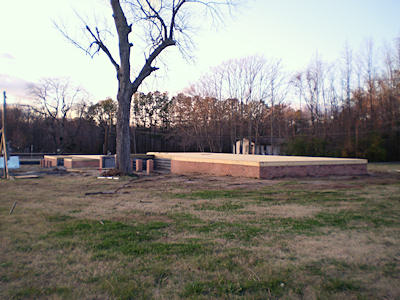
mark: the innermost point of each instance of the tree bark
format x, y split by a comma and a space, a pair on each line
123, 163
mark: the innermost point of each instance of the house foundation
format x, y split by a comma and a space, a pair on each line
261, 166
219, 164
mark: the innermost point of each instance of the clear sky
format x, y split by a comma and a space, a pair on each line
292, 30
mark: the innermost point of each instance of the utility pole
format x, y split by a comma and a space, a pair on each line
3, 143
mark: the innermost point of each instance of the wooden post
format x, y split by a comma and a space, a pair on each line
3, 142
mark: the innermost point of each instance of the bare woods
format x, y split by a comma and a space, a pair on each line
350, 108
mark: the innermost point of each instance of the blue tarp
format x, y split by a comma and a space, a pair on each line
12, 163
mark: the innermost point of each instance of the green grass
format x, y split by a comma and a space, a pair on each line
108, 237
274, 195
340, 285
58, 218
226, 230
214, 194
225, 206
33, 292
226, 288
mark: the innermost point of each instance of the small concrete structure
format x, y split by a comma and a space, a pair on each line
262, 147
261, 166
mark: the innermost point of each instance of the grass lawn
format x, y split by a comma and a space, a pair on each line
73, 236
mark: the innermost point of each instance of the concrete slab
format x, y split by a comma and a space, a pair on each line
256, 160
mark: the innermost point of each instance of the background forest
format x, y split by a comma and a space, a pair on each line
349, 108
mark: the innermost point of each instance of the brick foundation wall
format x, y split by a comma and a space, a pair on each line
218, 169
312, 170
85, 163
68, 163
71, 163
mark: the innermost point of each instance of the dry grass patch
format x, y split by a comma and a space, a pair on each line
200, 237
290, 210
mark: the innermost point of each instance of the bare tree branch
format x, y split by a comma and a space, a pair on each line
101, 46
147, 68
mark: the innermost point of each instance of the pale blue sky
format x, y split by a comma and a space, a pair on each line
292, 30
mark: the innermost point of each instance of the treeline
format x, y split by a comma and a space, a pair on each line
349, 108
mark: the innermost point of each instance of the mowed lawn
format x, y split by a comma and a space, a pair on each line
73, 236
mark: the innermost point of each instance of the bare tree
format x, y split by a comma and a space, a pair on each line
314, 91
347, 73
346, 70
369, 71
164, 23
250, 80
278, 86
55, 100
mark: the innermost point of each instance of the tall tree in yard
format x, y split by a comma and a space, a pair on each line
164, 23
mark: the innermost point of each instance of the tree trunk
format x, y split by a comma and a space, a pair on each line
123, 162
105, 144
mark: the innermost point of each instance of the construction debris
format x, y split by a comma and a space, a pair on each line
12, 207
